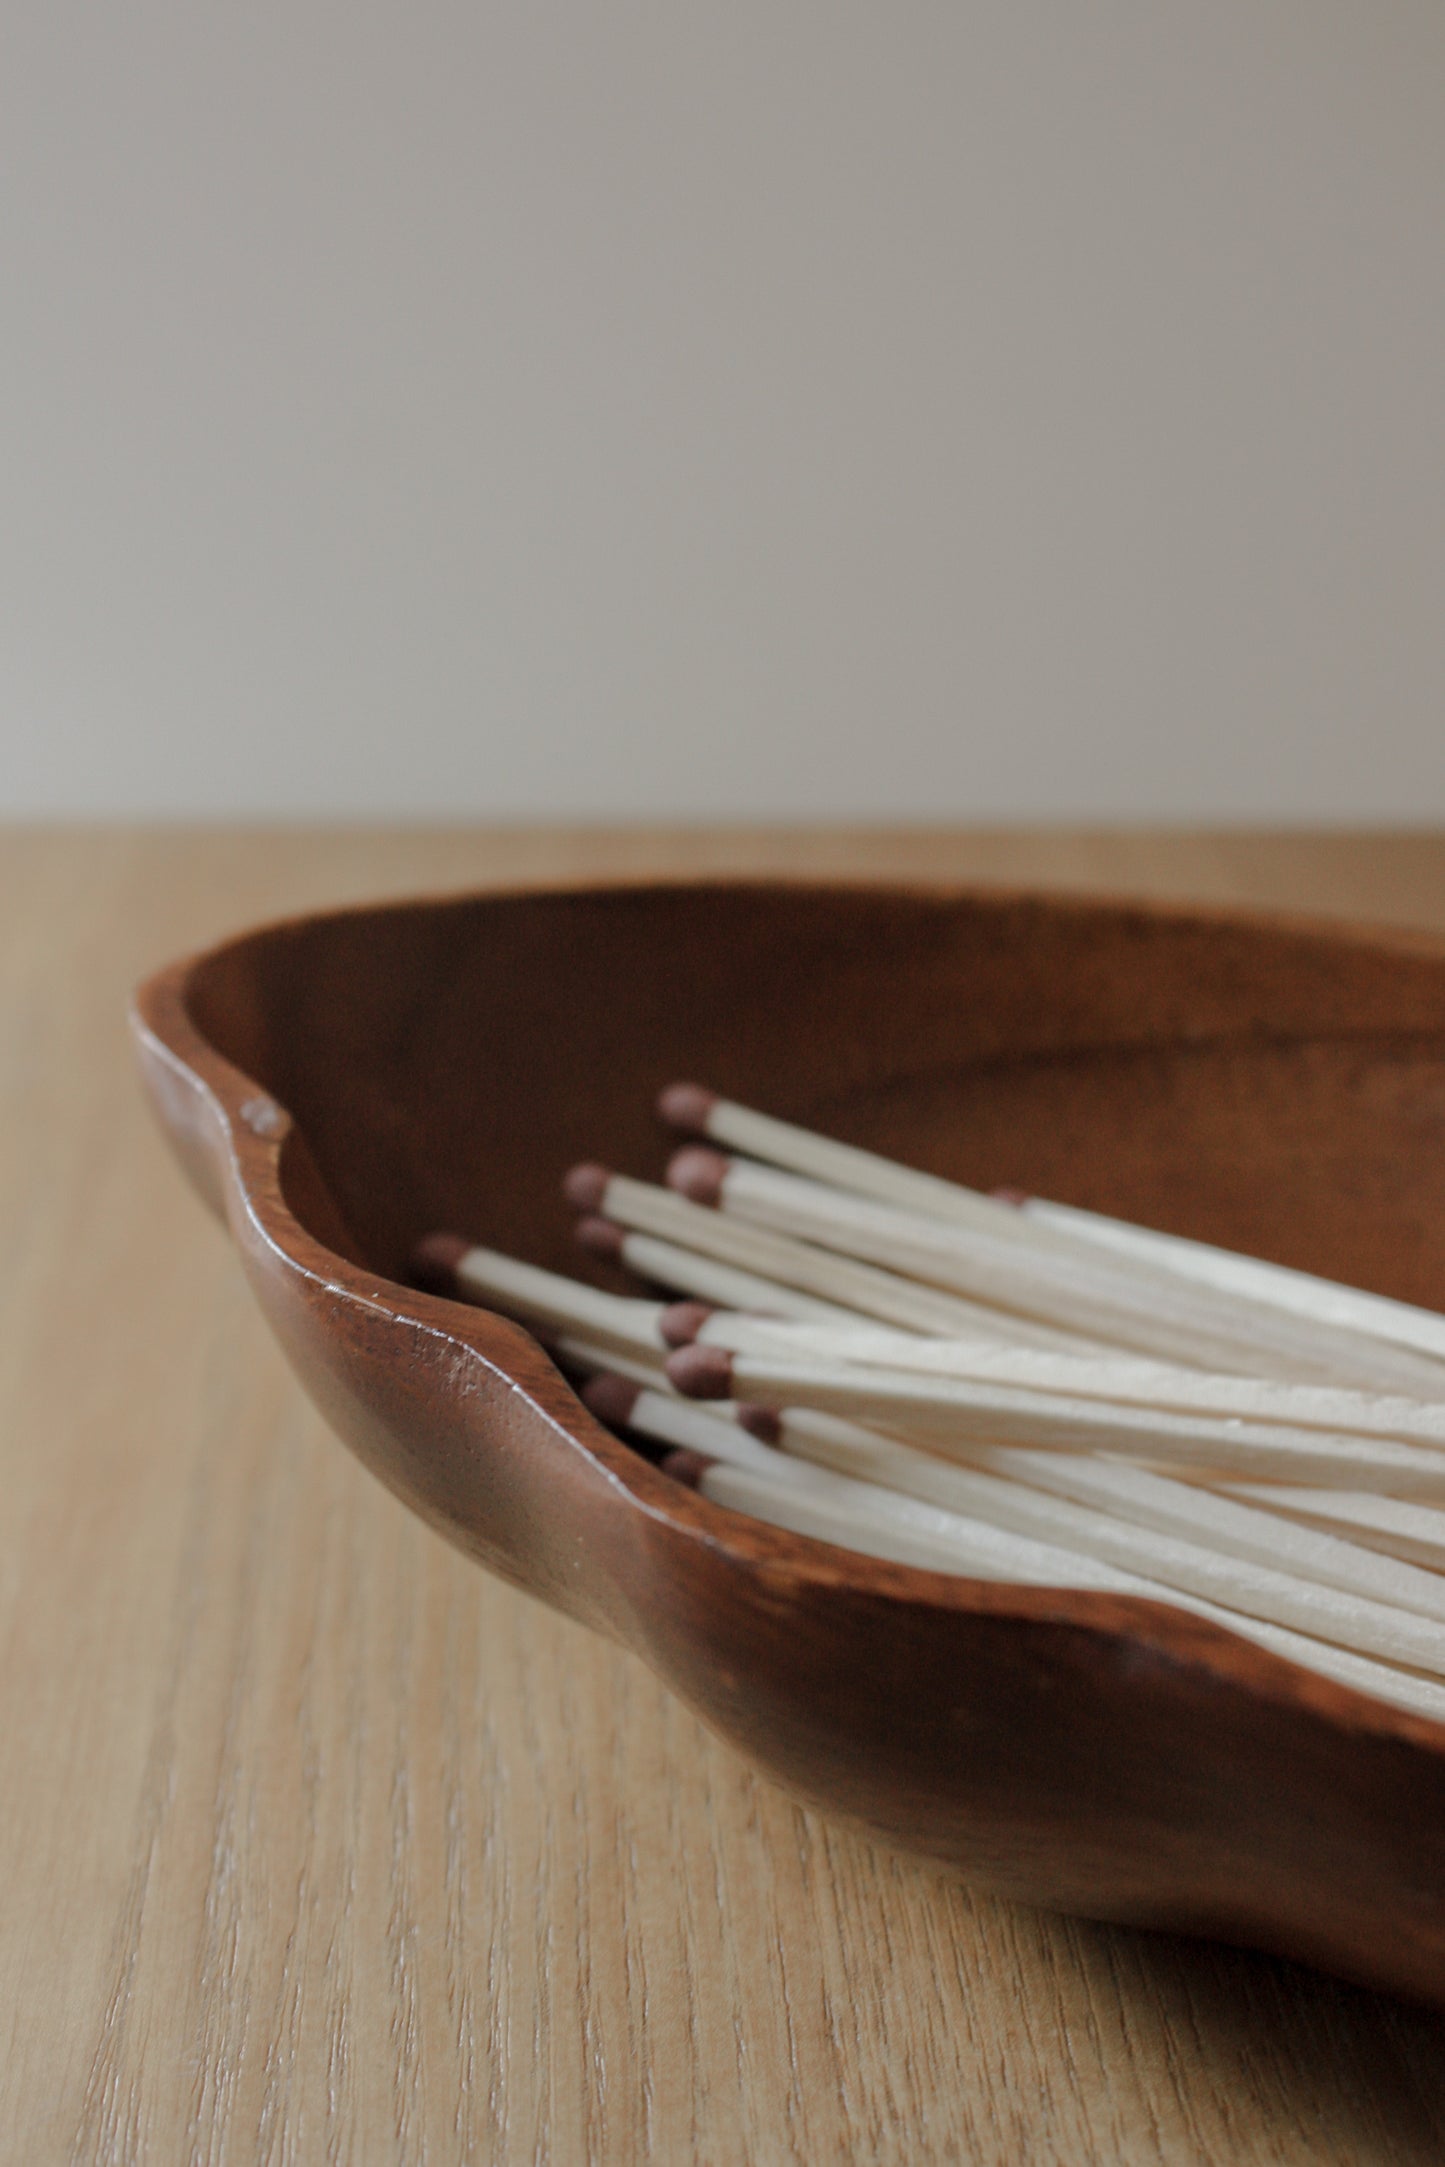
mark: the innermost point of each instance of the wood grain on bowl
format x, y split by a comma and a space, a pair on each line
340, 1086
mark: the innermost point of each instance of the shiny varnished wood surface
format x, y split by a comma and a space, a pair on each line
318, 1843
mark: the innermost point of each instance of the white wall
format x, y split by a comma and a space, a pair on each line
775, 408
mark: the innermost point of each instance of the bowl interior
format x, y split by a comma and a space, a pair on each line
1277, 1089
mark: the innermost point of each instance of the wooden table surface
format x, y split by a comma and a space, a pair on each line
319, 1845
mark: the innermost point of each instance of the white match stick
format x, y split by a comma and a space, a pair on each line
643, 1208
862, 1506
591, 1357
671, 1421
1113, 1377
537, 1297
914, 1530
910, 1529
883, 1524
1396, 1526
1361, 1622
696, 1110
700, 1112
951, 1415
1303, 1294
1083, 1293
1224, 1524
705, 1278
992, 1555
1219, 1522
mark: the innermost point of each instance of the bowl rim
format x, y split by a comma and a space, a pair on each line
258, 1131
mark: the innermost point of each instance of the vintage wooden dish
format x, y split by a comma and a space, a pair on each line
339, 1085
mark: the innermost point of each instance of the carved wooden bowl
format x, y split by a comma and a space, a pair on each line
340, 1085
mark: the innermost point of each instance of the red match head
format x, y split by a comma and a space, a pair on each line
610, 1398
687, 1106
681, 1322
701, 1373
586, 1186
698, 1172
435, 1259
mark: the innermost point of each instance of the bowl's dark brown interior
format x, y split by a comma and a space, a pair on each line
1270, 1088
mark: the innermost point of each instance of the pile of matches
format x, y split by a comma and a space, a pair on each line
1010, 1389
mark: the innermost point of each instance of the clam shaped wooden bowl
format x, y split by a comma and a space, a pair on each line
339, 1086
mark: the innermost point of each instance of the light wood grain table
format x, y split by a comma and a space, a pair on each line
319, 1845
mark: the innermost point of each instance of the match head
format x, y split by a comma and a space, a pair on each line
599, 1236
586, 1186
681, 1322
701, 1373
434, 1262
685, 1466
698, 1172
764, 1423
687, 1106
610, 1398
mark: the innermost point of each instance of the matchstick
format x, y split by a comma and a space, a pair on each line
688, 1272
1258, 1590
951, 1414
695, 1110
1398, 1527
1113, 1377
860, 1507
590, 1358
908, 1531
447, 1264
1221, 1522
667, 1420
993, 1555
1083, 1294
1303, 1294
645, 1209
